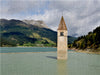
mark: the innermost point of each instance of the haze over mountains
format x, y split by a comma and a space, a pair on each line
38, 23
27, 33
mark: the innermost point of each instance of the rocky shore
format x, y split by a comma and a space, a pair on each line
89, 51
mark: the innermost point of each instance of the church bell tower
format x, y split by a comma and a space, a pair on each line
62, 40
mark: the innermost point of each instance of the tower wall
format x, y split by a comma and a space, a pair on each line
62, 44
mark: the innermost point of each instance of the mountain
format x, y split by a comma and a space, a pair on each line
27, 33
89, 41
71, 39
38, 23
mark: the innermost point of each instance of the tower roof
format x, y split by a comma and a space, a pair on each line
62, 25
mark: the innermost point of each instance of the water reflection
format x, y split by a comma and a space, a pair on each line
62, 67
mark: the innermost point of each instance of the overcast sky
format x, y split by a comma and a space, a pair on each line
81, 16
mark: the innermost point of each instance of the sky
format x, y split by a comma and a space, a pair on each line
81, 16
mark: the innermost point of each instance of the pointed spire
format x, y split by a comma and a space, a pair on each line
62, 25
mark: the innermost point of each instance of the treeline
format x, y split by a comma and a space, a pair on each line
6, 42
90, 41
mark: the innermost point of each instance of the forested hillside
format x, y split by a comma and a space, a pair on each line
20, 33
90, 41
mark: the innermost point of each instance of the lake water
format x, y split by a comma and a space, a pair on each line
42, 61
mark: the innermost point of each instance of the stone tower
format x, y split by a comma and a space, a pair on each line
62, 40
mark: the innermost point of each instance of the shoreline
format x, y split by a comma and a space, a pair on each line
27, 47
85, 51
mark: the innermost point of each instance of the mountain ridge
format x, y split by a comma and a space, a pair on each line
38, 23
18, 33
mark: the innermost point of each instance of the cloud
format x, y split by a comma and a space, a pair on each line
81, 16
15, 8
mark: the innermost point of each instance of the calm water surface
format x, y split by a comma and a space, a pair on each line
14, 62
26, 49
